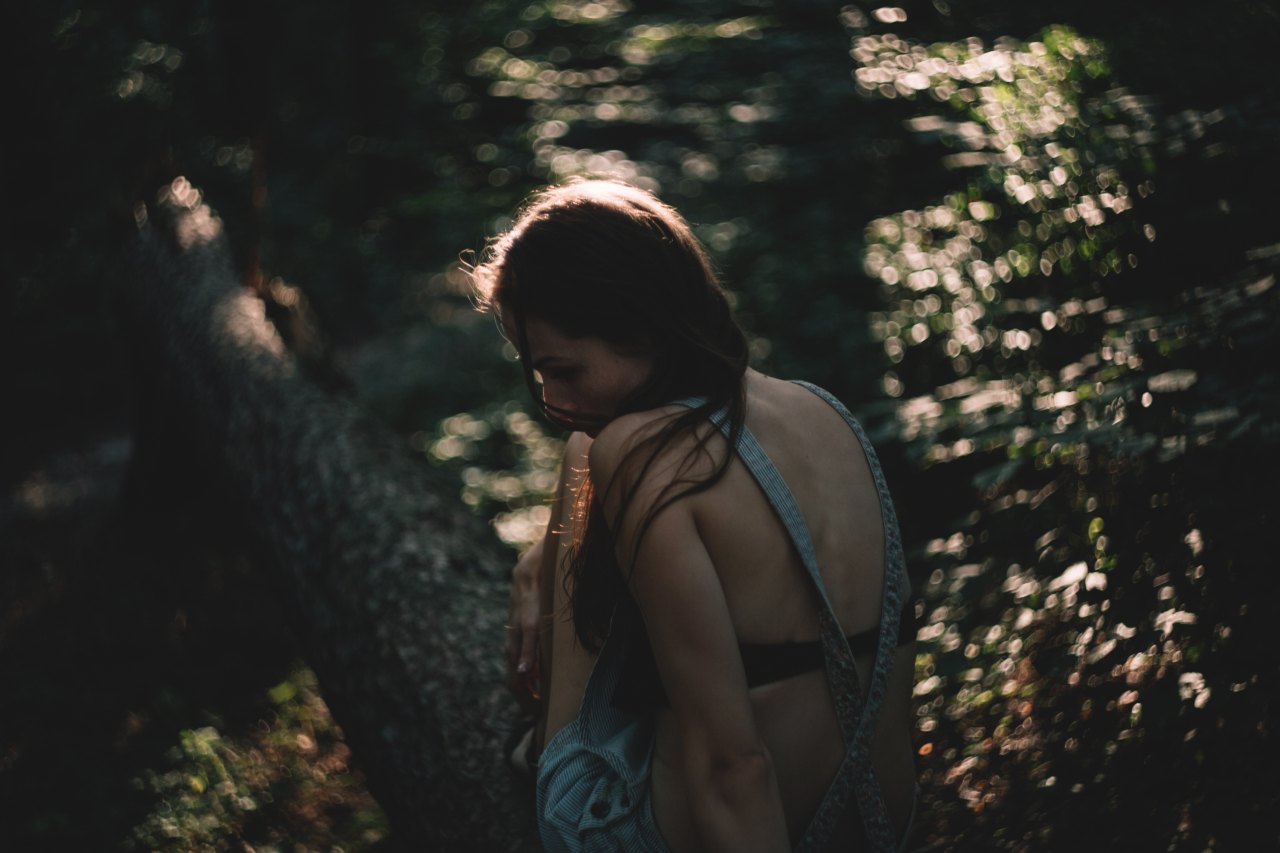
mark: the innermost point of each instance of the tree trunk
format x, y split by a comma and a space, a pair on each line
399, 593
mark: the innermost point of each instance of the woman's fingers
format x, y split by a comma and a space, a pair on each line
528, 646
518, 672
520, 645
530, 615
511, 647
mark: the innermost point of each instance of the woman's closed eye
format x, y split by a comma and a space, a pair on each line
558, 374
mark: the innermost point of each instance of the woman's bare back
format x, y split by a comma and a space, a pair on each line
771, 601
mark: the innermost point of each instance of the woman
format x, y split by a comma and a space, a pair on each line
718, 536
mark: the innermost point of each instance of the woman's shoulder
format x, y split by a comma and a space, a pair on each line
625, 433
797, 403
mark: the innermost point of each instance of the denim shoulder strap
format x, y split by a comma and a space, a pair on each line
856, 769
856, 717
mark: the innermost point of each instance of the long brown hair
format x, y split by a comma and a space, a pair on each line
606, 260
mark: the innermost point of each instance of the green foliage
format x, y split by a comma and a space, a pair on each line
284, 783
508, 466
1076, 629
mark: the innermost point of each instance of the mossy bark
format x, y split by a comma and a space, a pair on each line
398, 593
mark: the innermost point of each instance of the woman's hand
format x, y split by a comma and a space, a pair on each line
531, 584
524, 616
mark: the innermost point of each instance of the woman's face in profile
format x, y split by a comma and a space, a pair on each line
585, 378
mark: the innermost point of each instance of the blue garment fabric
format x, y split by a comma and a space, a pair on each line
593, 791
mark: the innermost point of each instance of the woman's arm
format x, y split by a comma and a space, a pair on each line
530, 601
729, 775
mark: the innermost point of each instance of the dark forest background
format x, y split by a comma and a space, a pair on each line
1033, 245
